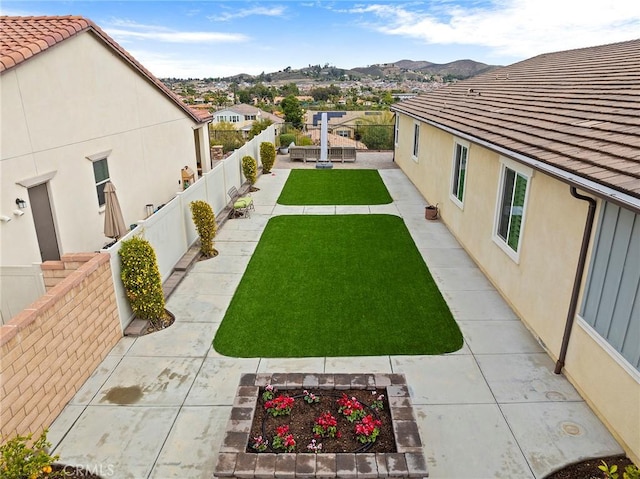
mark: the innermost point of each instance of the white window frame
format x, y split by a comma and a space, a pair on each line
396, 130
454, 186
104, 155
416, 141
527, 173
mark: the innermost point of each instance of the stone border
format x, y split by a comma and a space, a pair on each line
408, 461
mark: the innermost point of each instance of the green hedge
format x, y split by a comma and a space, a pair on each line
267, 155
141, 279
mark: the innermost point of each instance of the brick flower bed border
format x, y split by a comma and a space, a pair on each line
408, 461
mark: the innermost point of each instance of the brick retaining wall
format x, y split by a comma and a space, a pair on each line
50, 349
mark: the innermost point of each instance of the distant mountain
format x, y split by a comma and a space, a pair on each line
397, 71
459, 68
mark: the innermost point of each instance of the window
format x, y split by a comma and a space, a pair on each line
396, 131
512, 198
458, 175
416, 140
343, 133
101, 174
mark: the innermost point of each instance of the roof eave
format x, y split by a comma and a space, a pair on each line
602, 191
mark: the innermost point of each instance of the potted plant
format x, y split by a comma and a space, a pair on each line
285, 141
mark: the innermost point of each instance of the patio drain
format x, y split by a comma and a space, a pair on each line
571, 428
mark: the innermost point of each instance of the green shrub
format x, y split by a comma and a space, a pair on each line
205, 221
286, 139
19, 460
304, 141
225, 134
250, 168
141, 279
258, 126
267, 155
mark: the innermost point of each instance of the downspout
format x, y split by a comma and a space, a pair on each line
573, 305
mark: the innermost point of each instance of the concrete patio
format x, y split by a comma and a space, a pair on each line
158, 405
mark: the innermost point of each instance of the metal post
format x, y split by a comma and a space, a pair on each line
324, 161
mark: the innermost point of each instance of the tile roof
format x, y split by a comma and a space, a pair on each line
577, 111
24, 37
246, 110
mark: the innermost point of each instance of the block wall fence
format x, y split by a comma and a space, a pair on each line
49, 350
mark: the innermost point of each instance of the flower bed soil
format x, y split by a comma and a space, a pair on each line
589, 469
303, 416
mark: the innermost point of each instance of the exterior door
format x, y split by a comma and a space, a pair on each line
43, 219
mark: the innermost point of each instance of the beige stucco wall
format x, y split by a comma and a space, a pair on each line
538, 286
76, 100
606, 385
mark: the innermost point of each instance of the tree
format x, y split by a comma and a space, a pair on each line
244, 96
292, 111
325, 93
224, 133
376, 131
289, 89
258, 126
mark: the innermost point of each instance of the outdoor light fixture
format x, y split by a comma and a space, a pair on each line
22, 204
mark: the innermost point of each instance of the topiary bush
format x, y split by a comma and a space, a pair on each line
267, 155
250, 168
205, 221
141, 279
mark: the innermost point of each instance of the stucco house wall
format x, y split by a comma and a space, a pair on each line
538, 286
69, 96
73, 101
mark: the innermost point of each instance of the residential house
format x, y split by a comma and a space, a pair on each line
78, 111
340, 123
301, 98
242, 117
536, 171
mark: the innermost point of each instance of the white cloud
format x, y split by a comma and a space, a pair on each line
169, 64
124, 30
520, 28
223, 16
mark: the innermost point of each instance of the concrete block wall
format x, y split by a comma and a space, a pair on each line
49, 350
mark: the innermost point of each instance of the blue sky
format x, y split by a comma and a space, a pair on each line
211, 38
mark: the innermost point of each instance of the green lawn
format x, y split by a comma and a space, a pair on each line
334, 187
340, 285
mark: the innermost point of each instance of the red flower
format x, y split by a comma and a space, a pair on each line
282, 430
289, 441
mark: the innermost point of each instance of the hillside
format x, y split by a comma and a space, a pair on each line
400, 70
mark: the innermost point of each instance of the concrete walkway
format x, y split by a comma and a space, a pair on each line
158, 405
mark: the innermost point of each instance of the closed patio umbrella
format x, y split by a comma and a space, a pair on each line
113, 221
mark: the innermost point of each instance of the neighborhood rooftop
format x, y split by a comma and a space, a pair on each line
25, 37
575, 112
